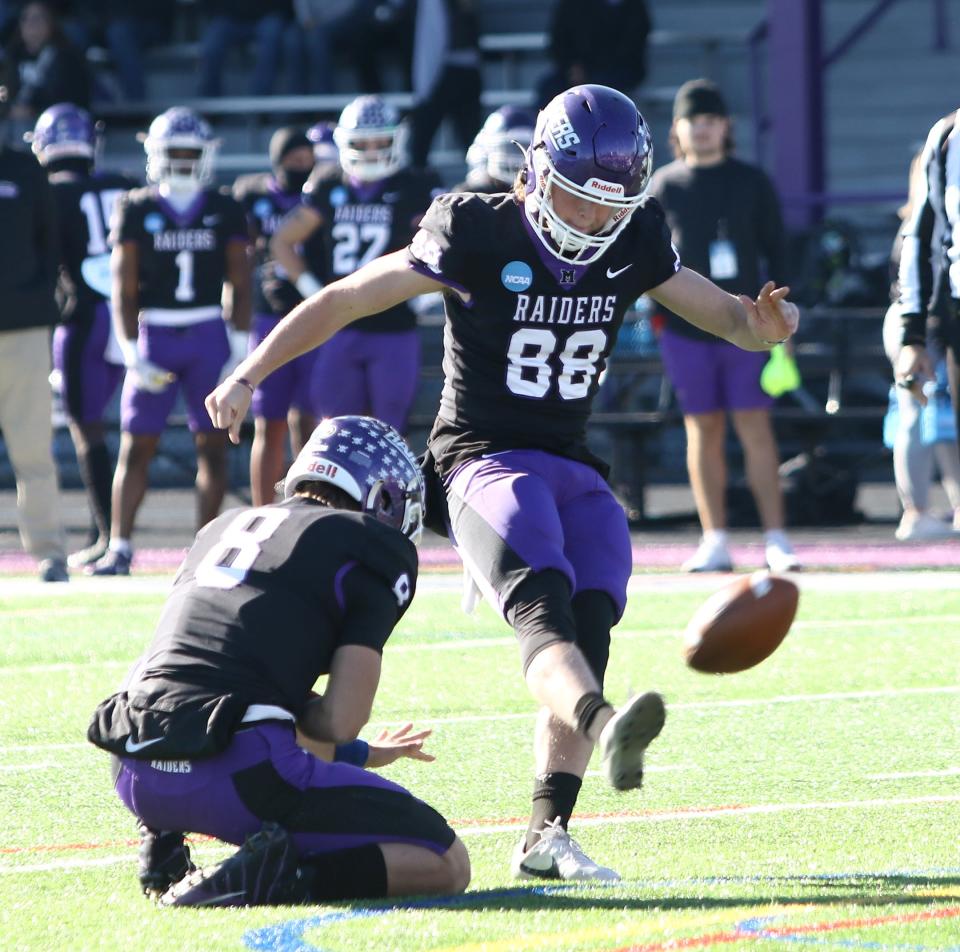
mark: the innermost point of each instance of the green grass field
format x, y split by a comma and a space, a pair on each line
813, 801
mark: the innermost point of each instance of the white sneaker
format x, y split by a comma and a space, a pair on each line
709, 557
627, 735
557, 855
922, 527
781, 557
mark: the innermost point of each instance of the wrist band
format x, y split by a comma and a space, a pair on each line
245, 382
354, 753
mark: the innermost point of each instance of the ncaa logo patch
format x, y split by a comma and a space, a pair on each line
263, 208
153, 222
516, 276
338, 196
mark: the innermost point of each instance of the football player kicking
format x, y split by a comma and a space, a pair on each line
176, 244
283, 401
86, 359
535, 286
267, 600
370, 207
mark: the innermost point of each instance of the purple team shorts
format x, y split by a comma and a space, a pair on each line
708, 376
371, 374
524, 511
88, 381
286, 387
264, 775
196, 354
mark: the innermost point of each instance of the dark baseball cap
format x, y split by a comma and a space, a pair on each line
698, 97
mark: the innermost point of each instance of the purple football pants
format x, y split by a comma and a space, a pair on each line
523, 511
195, 354
288, 386
88, 381
265, 776
372, 374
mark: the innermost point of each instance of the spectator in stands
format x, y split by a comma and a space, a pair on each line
725, 219
283, 401
446, 74
128, 30
180, 272
596, 41
28, 275
370, 207
266, 22
913, 457
41, 67
498, 152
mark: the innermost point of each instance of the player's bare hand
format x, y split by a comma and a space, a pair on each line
771, 316
913, 369
228, 405
389, 746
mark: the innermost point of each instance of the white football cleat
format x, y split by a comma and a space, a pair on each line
709, 557
627, 735
557, 855
780, 556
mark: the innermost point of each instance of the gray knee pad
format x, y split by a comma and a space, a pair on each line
540, 613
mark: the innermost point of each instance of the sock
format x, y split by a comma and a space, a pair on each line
587, 709
358, 873
122, 546
715, 537
554, 796
97, 472
776, 537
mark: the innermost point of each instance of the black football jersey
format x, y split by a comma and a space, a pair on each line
182, 254
85, 206
523, 358
266, 205
364, 221
262, 601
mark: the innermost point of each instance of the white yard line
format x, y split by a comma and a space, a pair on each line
660, 816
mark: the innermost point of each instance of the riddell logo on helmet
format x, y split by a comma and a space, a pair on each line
599, 185
323, 468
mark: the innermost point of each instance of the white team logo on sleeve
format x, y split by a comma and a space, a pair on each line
426, 248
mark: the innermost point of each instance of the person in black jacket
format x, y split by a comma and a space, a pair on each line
28, 274
596, 41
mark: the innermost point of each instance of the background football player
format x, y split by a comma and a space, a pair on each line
284, 400
86, 360
180, 271
266, 601
536, 285
497, 153
369, 208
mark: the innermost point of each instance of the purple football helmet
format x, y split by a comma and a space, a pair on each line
592, 143
371, 138
180, 128
64, 131
371, 462
499, 149
325, 152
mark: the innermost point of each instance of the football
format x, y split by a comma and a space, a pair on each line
740, 625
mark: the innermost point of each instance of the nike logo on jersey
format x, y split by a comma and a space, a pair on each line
131, 748
210, 220
613, 274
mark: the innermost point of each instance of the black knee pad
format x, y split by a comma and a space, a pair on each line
539, 612
595, 614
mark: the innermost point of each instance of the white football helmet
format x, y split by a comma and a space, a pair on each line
179, 129
371, 139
